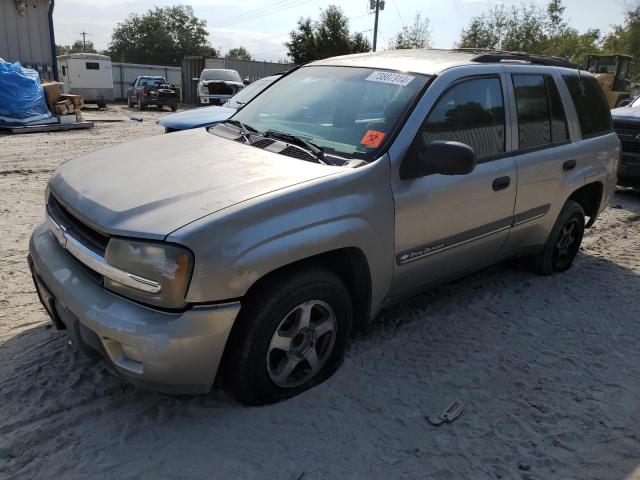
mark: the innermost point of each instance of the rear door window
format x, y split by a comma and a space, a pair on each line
559, 128
470, 112
592, 107
534, 125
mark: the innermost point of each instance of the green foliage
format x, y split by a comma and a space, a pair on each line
162, 35
625, 39
328, 37
531, 29
417, 35
239, 53
77, 47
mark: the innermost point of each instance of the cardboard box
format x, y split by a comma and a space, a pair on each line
63, 107
76, 100
52, 93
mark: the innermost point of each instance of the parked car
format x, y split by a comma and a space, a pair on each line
87, 74
209, 116
249, 250
626, 122
147, 90
217, 85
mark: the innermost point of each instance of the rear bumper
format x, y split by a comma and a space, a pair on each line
162, 351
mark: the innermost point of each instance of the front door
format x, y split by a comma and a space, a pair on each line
448, 224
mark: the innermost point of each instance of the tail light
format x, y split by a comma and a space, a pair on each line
145, 92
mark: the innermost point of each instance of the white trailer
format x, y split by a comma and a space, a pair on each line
87, 74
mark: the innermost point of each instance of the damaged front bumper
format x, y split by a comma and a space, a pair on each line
168, 352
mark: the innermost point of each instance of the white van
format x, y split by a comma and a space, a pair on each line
87, 74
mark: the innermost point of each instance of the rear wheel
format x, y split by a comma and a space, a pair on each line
290, 335
563, 243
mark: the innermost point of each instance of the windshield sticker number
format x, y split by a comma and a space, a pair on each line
390, 77
372, 138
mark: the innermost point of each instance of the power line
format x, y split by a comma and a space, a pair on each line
262, 12
398, 12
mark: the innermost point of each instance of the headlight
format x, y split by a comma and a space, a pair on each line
168, 265
202, 89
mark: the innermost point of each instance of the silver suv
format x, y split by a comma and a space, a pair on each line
247, 252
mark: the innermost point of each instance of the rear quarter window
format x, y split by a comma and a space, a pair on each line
592, 107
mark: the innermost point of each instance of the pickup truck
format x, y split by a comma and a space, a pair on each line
146, 90
247, 252
626, 123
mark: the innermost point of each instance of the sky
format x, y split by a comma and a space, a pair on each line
263, 26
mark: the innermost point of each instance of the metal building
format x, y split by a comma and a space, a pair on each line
26, 35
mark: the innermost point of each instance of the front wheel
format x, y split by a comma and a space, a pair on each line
563, 243
290, 335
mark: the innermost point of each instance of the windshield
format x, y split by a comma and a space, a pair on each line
246, 94
635, 102
226, 75
347, 111
151, 81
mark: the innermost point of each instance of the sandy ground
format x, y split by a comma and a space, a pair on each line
548, 366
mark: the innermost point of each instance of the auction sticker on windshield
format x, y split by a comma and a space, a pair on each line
390, 77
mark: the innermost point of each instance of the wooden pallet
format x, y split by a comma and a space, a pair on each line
48, 127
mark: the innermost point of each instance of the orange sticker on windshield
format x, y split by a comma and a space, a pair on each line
372, 138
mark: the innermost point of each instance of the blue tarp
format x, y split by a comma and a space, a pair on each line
22, 99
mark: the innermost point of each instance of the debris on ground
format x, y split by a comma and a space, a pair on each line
449, 414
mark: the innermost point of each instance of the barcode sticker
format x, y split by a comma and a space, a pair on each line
390, 77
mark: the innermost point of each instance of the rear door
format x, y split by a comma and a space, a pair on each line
448, 224
546, 153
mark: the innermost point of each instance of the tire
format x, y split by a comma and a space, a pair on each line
129, 102
141, 106
255, 366
563, 243
174, 108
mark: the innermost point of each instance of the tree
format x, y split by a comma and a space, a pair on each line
417, 35
625, 39
239, 53
530, 29
162, 35
328, 37
77, 47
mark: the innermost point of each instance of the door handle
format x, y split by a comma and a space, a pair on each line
501, 183
569, 165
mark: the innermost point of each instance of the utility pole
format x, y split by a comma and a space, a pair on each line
84, 40
377, 5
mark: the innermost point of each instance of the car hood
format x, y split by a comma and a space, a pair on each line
151, 187
196, 117
626, 113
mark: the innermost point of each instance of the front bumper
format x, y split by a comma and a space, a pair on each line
155, 100
629, 170
167, 352
214, 99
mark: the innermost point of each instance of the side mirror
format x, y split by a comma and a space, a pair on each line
443, 157
131, 84
246, 81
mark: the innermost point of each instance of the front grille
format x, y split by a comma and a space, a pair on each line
629, 134
86, 235
631, 147
220, 89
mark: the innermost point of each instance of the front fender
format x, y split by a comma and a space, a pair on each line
236, 247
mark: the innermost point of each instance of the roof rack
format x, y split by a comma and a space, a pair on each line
497, 56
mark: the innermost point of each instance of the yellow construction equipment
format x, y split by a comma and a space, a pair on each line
611, 71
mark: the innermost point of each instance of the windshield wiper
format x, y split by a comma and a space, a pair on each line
317, 151
245, 130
